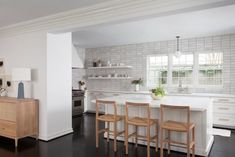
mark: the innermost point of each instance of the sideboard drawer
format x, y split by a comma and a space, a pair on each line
224, 109
226, 120
7, 128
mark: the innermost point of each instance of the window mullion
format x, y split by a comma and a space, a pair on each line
195, 70
169, 74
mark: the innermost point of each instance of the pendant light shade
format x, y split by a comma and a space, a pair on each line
177, 52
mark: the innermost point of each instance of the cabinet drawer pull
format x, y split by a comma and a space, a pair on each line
223, 108
223, 100
223, 119
115, 94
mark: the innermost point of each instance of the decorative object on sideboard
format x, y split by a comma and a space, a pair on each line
4, 90
158, 93
21, 74
137, 83
177, 52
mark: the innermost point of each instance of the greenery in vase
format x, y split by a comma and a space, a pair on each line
136, 82
159, 91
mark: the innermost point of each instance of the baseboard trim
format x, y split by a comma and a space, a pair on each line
56, 135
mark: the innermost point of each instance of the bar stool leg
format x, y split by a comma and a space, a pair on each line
188, 145
108, 123
161, 143
193, 151
148, 141
156, 139
115, 136
97, 133
169, 141
126, 137
136, 136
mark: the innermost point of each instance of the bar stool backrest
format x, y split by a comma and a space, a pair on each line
186, 109
143, 106
105, 103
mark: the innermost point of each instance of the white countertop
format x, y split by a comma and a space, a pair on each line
195, 103
169, 94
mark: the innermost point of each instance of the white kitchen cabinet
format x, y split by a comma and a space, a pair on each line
224, 112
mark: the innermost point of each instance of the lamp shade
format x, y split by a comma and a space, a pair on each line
21, 74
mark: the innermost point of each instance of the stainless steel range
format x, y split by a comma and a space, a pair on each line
78, 102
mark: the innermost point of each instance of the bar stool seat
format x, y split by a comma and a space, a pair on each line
177, 126
110, 118
142, 121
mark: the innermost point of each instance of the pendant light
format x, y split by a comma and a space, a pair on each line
177, 52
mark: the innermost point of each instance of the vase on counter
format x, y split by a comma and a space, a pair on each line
156, 97
137, 87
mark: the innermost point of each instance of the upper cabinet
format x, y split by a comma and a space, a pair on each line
78, 57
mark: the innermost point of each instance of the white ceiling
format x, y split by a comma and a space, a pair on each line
14, 11
199, 23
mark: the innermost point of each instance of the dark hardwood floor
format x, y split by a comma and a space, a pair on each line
82, 144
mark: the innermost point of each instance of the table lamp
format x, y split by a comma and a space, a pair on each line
21, 75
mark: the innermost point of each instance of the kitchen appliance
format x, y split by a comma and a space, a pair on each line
77, 102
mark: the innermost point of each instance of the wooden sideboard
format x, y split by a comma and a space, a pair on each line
18, 118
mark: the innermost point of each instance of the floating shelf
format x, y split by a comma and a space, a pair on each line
111, 67
109, 78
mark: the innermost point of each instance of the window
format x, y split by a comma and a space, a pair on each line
157, 70
182, 69
205, 69
210, 68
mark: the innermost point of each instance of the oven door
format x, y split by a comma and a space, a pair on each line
78, 106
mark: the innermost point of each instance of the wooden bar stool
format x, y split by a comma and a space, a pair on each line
184, 127
109, 118
140, 122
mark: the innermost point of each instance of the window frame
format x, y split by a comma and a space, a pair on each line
220, 86
148, 64
195, 81
193, 69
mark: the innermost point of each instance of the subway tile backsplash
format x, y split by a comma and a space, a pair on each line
136, 55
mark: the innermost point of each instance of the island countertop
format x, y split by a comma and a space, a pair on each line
195, 103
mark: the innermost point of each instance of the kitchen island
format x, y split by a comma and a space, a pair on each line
201, 115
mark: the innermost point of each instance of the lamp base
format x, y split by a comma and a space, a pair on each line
20, 91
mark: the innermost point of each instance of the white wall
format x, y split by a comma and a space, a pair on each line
59, 84
29, 50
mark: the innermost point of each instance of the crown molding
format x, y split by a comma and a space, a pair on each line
108, 12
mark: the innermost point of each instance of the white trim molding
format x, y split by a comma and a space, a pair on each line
109, 12
56, 135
